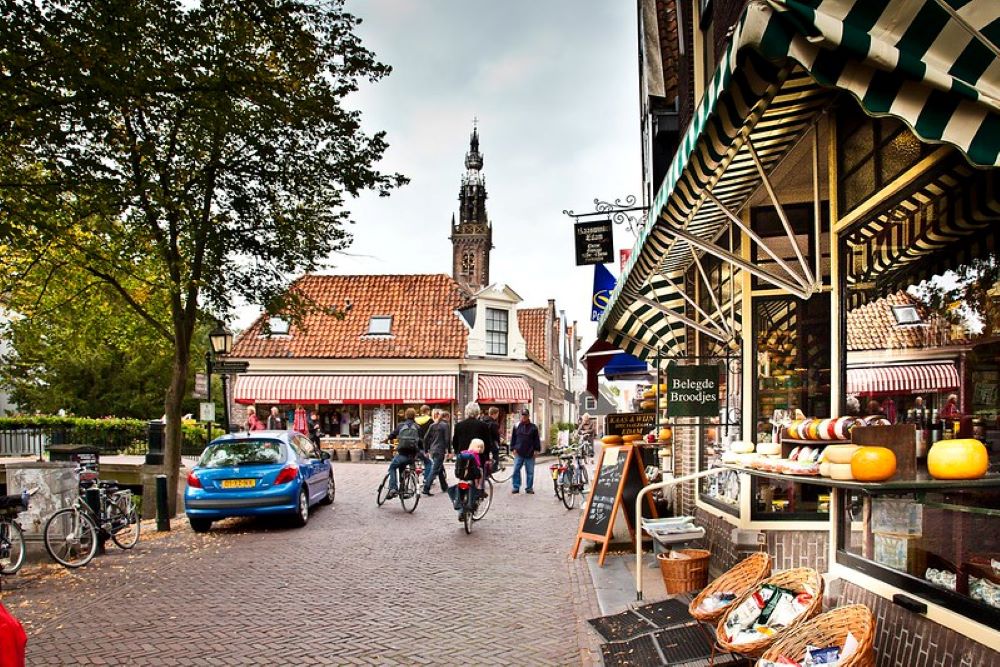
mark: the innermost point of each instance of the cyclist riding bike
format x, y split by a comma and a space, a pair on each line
585, 432
468, 468
407, 437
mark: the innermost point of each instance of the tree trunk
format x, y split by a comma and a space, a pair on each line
174, 433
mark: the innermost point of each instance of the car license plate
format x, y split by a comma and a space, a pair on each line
239, 483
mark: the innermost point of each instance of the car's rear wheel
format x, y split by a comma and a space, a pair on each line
301, 517
200, 525
331, 491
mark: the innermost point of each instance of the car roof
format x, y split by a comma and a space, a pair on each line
283, 436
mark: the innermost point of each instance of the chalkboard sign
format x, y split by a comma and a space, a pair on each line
617, 481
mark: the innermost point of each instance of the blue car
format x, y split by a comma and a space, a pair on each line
258, 473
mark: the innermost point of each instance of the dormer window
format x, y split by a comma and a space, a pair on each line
496, 332
380, 325
277, 326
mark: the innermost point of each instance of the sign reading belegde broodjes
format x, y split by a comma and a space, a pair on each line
594, 242
692, 391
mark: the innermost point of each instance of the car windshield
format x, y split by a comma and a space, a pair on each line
241, 453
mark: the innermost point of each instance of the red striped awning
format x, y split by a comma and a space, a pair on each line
369, 389
503, 389
903, 379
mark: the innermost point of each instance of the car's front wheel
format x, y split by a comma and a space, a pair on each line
200, 525
301, 517
331, 491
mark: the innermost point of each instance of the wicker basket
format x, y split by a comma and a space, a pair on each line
830, 629
801, 579
681, 575
739, 579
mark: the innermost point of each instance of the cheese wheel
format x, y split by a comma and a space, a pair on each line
649, 393
741, 447
839, 453
769, 448
612, 440
841, 471
647, 405
631, 437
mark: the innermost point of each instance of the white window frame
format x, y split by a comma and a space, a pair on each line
493, 336
374, 331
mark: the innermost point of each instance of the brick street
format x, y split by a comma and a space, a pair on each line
358, 585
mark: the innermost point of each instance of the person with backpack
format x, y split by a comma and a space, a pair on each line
437, 441
407, 437
468, 468
469, 429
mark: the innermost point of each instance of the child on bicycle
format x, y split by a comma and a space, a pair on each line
468, 468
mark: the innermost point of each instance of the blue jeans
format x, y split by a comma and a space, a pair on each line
436, 471
398, 461
529, 471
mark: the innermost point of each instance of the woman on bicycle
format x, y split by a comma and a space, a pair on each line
585, 432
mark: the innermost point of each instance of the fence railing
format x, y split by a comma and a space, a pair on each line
34, 441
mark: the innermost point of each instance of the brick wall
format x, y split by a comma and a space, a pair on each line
718, 540
799, 548
904, 638
685, 463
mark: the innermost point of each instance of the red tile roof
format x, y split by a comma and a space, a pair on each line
424, 322
873, 327
532, 324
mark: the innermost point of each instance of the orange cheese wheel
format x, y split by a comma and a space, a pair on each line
612, 440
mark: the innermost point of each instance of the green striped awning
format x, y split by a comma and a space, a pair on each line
933, 64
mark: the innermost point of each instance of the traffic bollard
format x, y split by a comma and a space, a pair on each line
162, 510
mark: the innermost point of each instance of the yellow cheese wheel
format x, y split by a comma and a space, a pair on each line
964, 458
841, 471
612, 440
647, 405
631, 437
839, 453
649, 393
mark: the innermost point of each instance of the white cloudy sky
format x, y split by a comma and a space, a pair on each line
554, 85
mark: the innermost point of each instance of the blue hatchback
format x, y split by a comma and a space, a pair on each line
255, 474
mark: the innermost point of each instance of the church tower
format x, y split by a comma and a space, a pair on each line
472, 236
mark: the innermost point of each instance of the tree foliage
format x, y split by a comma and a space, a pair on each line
182, 151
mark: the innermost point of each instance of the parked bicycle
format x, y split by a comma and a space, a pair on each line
474, 510
557, 470
12, 547
574, 478
409, 486
73, 535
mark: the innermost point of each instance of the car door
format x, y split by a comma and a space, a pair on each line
310, 463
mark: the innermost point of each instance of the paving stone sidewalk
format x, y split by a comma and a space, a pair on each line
358, 585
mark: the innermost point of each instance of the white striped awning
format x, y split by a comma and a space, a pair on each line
929, 63
368, 389
502, 389
903, 379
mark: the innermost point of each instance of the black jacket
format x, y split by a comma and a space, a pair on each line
466, 430
438, 439
525, 441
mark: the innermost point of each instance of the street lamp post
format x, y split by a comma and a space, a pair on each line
221, 341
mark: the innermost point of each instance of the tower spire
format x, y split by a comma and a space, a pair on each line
472, 236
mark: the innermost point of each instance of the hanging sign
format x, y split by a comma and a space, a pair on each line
692, 391
200, 386
604, 284
629, 423
618, 479
624, 254
594, 242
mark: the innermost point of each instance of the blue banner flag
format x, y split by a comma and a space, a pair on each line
604, 284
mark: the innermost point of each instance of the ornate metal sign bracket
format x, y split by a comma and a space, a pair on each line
618, 212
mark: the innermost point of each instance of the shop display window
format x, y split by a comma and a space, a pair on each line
721, 491
941, 545
792, 348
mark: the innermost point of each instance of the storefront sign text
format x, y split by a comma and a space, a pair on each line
594, 242
693, 391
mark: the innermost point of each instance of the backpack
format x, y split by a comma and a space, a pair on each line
466, 468
408, 439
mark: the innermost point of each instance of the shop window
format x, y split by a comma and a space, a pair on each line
870, 153
380, 325
496, 331
941, 545
792, 348
717, 434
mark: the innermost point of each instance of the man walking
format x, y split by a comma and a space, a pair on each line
424, 421
274, 421
524, 442
437, 441
493, 444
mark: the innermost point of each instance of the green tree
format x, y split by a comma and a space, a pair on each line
184, 151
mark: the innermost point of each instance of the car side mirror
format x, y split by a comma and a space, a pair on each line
326, 456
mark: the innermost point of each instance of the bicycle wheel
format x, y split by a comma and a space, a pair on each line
504, 469
484, 503
383, 490
467, 518
556, 483
124, 520
571, 487
409, 494
11, 547
71, 537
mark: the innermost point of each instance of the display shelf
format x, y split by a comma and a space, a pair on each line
922, 482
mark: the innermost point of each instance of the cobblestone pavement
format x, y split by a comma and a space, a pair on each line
358, 585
